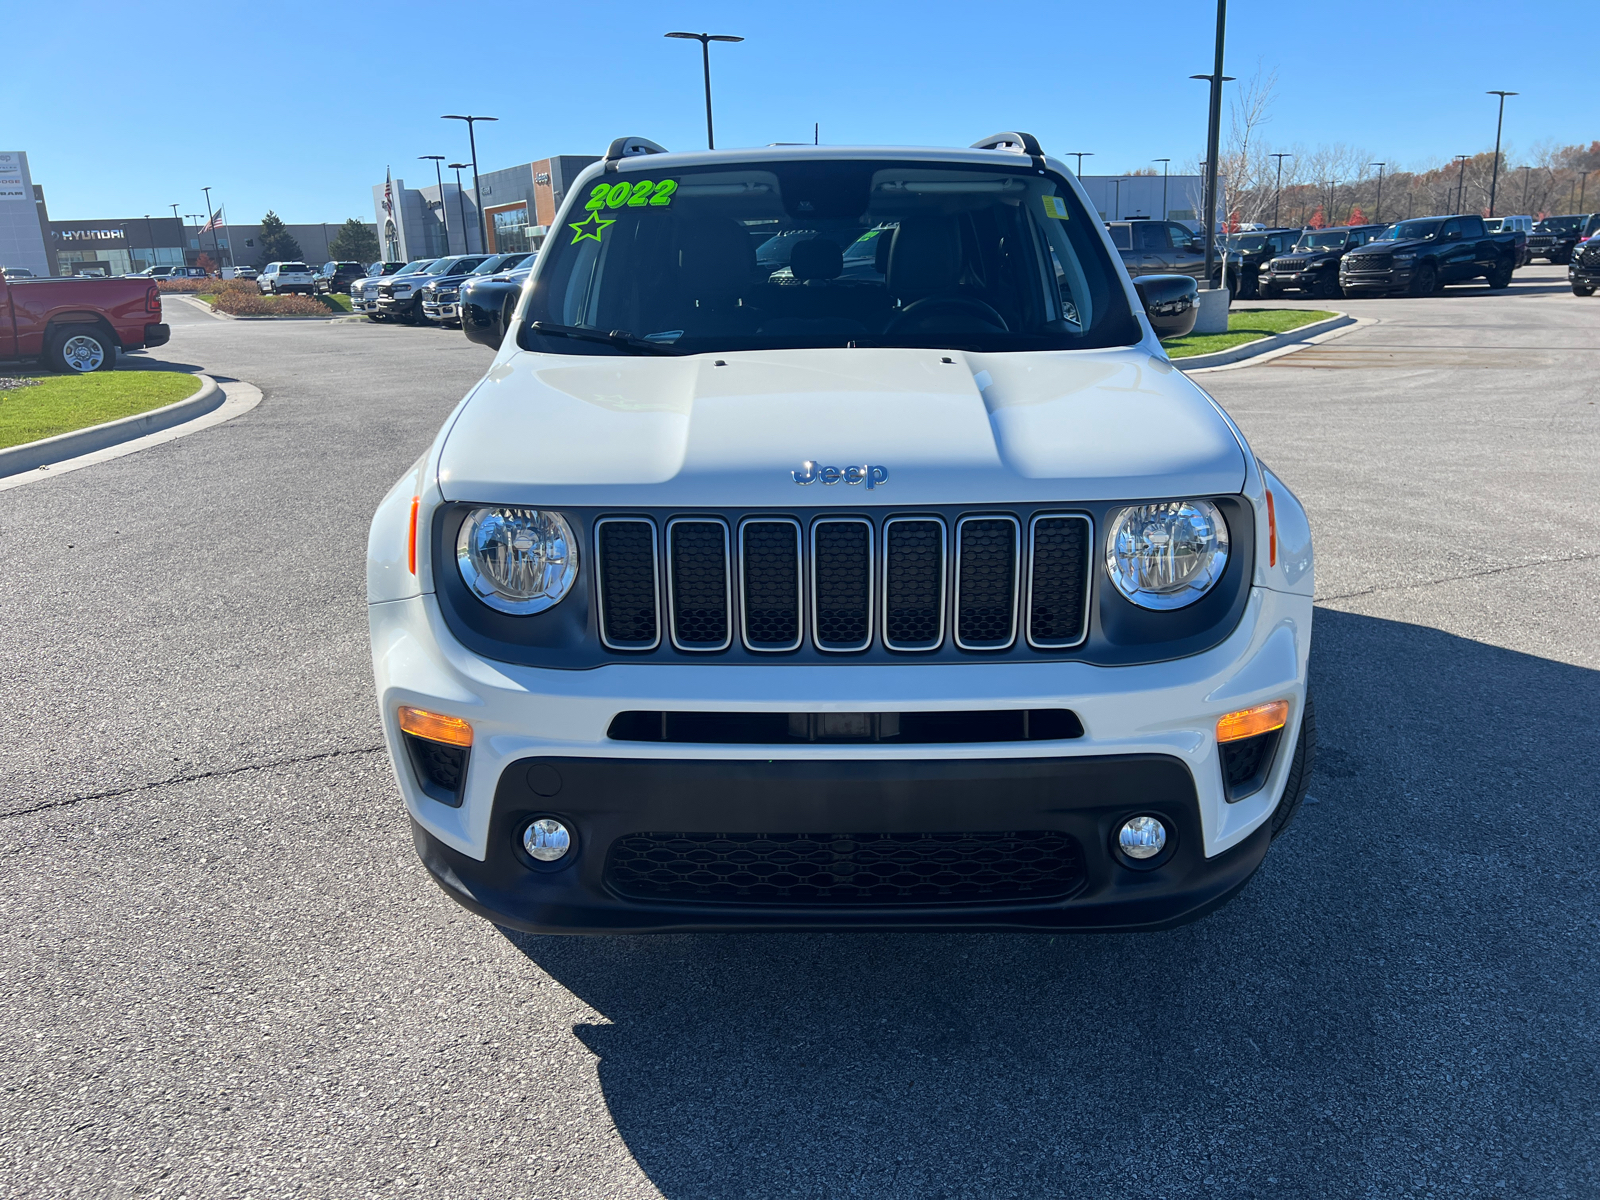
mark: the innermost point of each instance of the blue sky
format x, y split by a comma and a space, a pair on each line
126, 108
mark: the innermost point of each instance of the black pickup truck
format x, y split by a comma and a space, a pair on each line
1554, 238
1312, 267
1419, 257
1248, 255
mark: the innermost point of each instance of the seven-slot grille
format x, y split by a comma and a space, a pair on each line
832, 581
1367, 262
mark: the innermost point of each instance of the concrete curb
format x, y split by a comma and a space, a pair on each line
30, 456
1278, 341
241, 398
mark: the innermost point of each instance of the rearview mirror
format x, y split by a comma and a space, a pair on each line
1171, 302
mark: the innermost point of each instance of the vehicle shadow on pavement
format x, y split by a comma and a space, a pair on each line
1402, 999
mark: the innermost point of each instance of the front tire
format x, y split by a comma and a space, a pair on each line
81, 350
1271, 291
1327, 288
1298, 783
1425, 282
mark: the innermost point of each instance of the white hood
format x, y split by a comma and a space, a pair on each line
949, 428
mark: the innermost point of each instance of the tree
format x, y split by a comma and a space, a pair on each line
277, 243
355, 242
206, 264
1357, 217
1317, 219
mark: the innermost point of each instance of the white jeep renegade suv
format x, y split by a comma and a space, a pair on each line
832, 545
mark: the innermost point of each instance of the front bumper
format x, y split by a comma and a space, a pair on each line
1163, 712
606, 800
1391, 280
1301, 281
403, 304
441, 310
363, 304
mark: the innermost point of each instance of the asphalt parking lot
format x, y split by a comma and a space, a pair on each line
223, 973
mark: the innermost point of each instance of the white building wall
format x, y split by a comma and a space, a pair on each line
21, 239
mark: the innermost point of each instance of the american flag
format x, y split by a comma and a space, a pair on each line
214, 223
388, 191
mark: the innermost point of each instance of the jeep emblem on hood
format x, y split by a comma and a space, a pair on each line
810, 472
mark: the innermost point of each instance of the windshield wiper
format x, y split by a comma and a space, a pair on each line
616, 337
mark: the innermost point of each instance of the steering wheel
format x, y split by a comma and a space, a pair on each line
920, 309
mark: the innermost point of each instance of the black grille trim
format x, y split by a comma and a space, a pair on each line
828, 590
1045, 591
967, 608
895, 616
837, 869
766, 605
706, 613
603, 587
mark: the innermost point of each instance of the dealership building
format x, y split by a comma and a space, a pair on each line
1136, 197
518, 206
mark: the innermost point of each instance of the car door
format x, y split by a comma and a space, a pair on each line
1122, 239
1186, 254
1485, 250
1150, 249
1455, 253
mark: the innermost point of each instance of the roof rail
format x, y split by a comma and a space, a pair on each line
1022, 143
628, 147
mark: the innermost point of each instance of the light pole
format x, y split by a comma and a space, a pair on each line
1116, 207
444, 210
1080, 155
1213, 138
1498, 125
1525, 188
1277, 190
477, 196
1461, 181
705, 40
1377, 217
1582, 182
149, 236
461, 206
1163, 162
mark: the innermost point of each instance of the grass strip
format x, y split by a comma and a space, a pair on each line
1245, 325
62, 403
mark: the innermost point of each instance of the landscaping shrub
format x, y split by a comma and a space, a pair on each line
195, 286
240, 303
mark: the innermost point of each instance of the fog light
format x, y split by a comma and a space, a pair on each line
1142, 837
546, 840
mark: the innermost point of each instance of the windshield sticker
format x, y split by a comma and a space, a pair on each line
1055, 206
631, 195
590, 227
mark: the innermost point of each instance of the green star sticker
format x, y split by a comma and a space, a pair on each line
590, 227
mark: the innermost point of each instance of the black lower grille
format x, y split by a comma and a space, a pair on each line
627, 554
842, 583
699, 562
846, 868
986, 582
1058, 590
944, 727
770, 555
440, 769
1247, 762
913, 583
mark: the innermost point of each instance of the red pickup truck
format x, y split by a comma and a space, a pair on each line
78, 325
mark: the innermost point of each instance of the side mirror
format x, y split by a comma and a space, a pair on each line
1172, 302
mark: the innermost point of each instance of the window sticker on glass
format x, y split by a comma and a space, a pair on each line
631, 195
591, 226
1055, 206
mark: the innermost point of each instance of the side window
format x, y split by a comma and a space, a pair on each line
1120, 237
1150, 237
1472, 227
1451, 231
1182, 239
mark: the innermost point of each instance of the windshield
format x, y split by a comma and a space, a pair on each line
1327, 239
1559, 224
1411, 231
418, 267
826, 253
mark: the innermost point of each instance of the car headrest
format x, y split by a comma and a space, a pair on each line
925, 258
817, 258
716, 260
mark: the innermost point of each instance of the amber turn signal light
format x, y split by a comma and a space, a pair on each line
435, 727
1249, 722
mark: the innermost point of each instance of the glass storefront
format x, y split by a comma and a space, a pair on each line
511, 229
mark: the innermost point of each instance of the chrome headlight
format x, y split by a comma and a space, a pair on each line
1321, 262
1166, 556
517, 560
